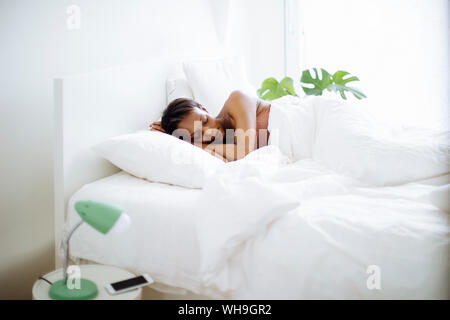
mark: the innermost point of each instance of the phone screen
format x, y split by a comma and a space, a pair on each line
128, 283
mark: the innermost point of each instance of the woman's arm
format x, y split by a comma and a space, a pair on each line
242, 109
217, 151
156, 126
226, 152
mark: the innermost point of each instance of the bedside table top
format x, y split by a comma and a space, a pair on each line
100, 274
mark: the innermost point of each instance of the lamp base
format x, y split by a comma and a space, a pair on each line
60, 291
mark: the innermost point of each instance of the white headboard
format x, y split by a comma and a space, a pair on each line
94, 106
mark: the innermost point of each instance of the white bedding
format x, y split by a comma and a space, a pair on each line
264, 227
321, 249
345, 137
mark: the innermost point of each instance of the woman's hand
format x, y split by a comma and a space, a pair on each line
156, 126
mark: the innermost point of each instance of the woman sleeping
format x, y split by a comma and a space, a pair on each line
239, 128
340, 135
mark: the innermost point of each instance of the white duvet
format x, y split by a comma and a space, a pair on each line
300, 223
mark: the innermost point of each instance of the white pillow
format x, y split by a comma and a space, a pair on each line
440, 198
178, 87
160, 157
212, 81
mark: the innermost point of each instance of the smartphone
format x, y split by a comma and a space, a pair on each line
128, 284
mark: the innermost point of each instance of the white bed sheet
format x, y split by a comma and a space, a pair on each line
327, 249
161, 240
322, 249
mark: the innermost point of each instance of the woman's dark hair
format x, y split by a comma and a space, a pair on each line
175, 112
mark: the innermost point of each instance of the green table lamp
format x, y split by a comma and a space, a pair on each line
103, 218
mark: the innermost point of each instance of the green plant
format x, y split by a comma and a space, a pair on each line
271, 89
335, 83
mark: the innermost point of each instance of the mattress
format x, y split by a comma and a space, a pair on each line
161, 239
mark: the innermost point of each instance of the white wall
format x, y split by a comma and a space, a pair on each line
36, 46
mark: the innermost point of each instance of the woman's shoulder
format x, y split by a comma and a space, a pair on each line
238, 102
237, 95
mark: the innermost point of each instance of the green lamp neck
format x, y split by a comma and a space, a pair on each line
66, 251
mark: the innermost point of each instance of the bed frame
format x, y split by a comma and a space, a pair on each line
94, 106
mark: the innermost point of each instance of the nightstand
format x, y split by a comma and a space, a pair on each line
100, 274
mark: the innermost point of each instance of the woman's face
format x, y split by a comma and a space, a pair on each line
201, 126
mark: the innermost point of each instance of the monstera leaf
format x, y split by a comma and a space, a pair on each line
318, 84
335, 83
271, 89
340, 85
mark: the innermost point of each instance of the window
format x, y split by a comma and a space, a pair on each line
398, 48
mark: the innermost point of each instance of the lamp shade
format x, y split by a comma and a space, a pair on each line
100, 216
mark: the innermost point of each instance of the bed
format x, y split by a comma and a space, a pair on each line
338, 236
278, 230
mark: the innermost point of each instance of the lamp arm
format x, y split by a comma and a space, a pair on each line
66, 251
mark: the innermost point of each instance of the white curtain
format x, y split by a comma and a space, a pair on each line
398, 48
